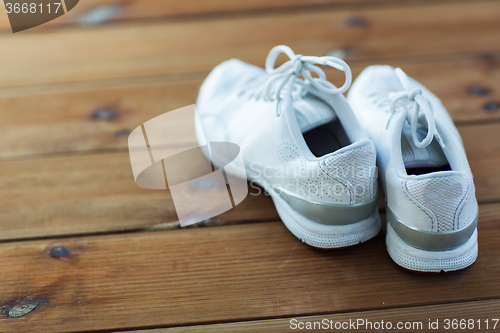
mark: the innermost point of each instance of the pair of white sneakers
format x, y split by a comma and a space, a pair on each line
316, 153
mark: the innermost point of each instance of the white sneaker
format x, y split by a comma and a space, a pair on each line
431, 205
300, 142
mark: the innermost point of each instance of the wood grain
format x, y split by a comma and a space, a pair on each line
65, 175
480, 155
86, 12
418, 318
77, 194
67, 195
234, 273
144, 49
94, 12
60, 118
67, 121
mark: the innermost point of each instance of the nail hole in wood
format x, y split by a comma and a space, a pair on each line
58, 252
122, 133
100, 14
478, 91
356, 21
104, 114
492, 106
21, 308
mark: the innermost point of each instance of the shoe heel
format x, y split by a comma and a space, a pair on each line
328, 226
426, 251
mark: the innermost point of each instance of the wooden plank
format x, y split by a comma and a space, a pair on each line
157, 48
92, 12
60, 118
77, 194
65, 195
474, 315
234, 273
68, 121
484, 166
467, 86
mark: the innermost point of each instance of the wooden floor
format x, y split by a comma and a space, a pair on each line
86, 250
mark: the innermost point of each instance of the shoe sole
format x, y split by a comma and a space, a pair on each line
325, 236
427, 251
420, 260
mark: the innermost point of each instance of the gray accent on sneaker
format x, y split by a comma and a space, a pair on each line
430, 240
329, 214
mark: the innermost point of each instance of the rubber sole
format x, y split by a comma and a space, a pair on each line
419, 260
325, 236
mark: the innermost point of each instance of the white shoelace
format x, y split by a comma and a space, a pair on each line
415, 96
298, 65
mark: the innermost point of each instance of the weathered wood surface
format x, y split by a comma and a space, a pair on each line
65, 118
81, 194
220, 274
417, 319
95, 12
187, 46
77, 194
65, 173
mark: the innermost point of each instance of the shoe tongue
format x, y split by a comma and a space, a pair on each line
312, 112
414, 157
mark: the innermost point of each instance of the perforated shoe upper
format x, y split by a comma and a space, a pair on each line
429, 188
234, 106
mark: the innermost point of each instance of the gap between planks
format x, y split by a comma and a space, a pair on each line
99, 12
235, 273
110, 52
97, 194
40, 121
476, 310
